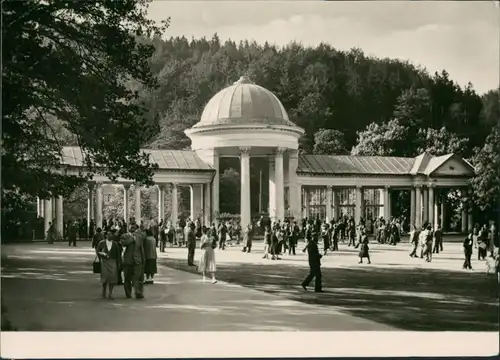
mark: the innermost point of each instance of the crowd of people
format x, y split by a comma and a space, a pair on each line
136, 244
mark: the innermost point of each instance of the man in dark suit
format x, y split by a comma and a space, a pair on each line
133, 261
293, 238
72, 234
438, 240
191, 243
314, 266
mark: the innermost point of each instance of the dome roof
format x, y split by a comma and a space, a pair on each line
244, 103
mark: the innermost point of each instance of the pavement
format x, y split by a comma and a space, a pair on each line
52, 288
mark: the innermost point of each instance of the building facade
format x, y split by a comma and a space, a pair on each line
246, 120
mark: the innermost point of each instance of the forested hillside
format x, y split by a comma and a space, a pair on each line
347, 102
320, 88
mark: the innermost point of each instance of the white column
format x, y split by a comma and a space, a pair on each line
464, 218
90, 206
245, 208
294, 186
137, 214
387, 203
59, 215
161, 202
211, 157
418, 206
335, 205
381, 209
443, 209
412, 206
329, 203
195, 202
430, 206
359, 204
470, 223
279, 184
207, 204
272, 189
307, 198
202, 204
98, 208
38, 207
47, 210
126, 207
175, 205
425, 205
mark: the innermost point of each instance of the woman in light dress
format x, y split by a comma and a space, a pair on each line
207, 261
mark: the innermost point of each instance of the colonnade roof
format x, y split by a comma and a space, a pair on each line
347, 164
174, 160
424, 164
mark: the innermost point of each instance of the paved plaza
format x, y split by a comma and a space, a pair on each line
52, 288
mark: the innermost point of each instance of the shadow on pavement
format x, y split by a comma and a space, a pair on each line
416, 299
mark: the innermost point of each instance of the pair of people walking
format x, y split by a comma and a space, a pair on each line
139, 258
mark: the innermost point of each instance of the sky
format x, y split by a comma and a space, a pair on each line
461, 37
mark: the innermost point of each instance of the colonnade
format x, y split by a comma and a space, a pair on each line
52, 209
52, 212
428, 204
198, 202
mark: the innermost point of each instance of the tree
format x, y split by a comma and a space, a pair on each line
413, 108
440, 142
387, 139
486, 183
329, 142
74, 61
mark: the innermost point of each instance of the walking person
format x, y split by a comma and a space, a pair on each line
364, 249
150, 266
293, 239
482, 246
351, 233
422, 239
207, 260
247, 238
267, 242
191, 243
50, 235
275, 242
428, 244
133, 262
335, 237
438, 240
110, 257
492, 238
222, 236
314, 258
325, 232
414, 240
163, 237
468, 246
72, 234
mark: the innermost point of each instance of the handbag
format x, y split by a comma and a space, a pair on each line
96, 265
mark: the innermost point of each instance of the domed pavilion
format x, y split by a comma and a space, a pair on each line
246, 120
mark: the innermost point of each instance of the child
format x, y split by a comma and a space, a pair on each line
364, 250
